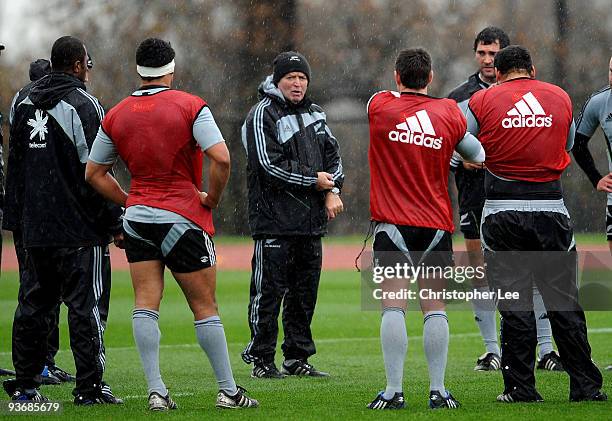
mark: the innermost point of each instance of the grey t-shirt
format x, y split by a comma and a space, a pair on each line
597, 112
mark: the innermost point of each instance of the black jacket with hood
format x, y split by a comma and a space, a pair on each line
286, 146
54, 122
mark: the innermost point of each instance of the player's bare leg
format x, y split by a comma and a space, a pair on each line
199, 290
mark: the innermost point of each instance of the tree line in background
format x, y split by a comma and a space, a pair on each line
225, 49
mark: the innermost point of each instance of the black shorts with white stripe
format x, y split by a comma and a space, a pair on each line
416, 245
469, 223
183, 247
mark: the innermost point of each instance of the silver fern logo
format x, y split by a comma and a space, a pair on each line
39, 126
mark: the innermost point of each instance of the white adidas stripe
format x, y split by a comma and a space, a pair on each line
526, 106
418, 123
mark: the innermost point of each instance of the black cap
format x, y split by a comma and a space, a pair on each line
287, 62
39, 69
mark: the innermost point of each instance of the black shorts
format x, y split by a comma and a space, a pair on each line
609, 222
416, 245
183, 247
469, 223
471, 197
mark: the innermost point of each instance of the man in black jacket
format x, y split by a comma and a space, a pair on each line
51, 374
294, 181
3, 371
65, 225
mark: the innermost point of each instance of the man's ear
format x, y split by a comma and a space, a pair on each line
398, 80
498, 76
430, 78
75, 67
532, 72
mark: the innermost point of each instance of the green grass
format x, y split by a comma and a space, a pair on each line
347, 344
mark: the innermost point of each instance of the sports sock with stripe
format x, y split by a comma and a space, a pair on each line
435, 343
147, 336
484, 314
394, 342
545, 345
211, 337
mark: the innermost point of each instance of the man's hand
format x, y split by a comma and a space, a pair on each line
118, 240
333, 205
208, 201
471, 167
605, 184
325, 181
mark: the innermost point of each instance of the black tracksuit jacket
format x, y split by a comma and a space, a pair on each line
54, 123
286, 146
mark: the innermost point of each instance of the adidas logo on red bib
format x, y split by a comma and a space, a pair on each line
527, 112
417, 130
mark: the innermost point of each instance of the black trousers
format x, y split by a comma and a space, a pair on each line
80, 278
53, 337
284, 270
551, 265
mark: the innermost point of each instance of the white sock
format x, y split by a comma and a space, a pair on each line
485, 316
394, 342
211, 337
545, 343
147, 337
435, 342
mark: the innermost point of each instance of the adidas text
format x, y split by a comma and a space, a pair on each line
419, 139
527, 121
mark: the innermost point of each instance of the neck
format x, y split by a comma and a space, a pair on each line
403, 89
165, 80
515, 75
156, 82
489, 80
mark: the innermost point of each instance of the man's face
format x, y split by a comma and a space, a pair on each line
485, 53
293, 86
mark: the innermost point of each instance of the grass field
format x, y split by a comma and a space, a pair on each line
348, 346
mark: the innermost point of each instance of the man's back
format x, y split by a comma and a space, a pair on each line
152, 131
523, 127
412, 138
51, 132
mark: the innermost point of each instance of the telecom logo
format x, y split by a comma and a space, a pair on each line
527, 112
417, 130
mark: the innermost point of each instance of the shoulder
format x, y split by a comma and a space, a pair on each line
84, 102
381, 97
449, 104
461, 92
599, 98
317, 111
182, 95
264, 107
185, 100
117, 109
552, 89
479, 95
